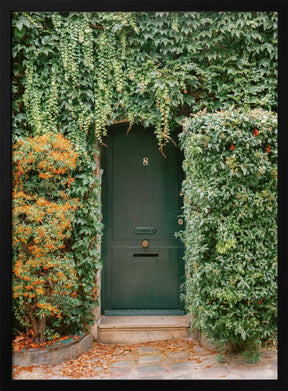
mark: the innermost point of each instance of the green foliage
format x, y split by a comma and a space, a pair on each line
252, 354
221, 358
82, 71
230, 208
87, 230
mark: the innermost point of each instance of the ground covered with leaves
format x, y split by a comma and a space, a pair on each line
25, 342
180, 358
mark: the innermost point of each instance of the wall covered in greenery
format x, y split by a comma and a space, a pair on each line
76, 73
230, 209
82, 71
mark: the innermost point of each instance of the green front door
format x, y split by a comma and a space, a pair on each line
141, 207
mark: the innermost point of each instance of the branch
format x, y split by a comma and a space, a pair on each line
96, 27
209, 211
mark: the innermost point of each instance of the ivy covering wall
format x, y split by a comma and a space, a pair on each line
230, 209
81, 71
77, 73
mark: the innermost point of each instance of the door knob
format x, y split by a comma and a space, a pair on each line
145, 243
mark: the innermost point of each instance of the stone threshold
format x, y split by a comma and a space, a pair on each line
138, 329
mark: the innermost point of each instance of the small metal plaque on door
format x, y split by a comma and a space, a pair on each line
144, 230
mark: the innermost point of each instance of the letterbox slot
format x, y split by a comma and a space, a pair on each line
146, 255
144, 230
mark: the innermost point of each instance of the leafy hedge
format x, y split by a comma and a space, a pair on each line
230, 209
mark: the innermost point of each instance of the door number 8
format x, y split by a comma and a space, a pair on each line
145, 161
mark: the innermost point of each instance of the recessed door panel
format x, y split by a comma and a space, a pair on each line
149, 280
142, 186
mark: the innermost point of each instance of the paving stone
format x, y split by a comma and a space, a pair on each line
180, 366
150, 376
271, 354
98, 369
147, 359
120, 372
147, 350
216, 372
151, 369
119, 364
253, 375
207, 360
187, 375
199, 350
180, 355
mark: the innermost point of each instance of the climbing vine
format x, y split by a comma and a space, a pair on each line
91, 69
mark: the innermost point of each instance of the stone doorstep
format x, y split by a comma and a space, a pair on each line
138, 329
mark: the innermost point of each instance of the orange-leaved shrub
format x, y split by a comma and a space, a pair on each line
44, 277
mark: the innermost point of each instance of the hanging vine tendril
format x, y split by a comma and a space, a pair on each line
95, 45
31, 99
101, 68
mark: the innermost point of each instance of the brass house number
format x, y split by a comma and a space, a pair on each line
145, 161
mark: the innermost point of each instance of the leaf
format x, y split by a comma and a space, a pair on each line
22, 20
20, 338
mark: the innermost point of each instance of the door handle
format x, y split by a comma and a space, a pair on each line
145, 243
